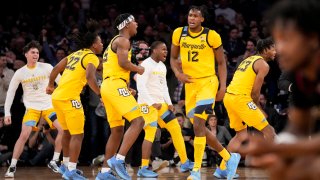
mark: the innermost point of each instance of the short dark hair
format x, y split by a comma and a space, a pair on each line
85, 40
30, 45
210, 116
264, 44
120, 19
154, 45
202, 9
253, 41
179, 115
300, 12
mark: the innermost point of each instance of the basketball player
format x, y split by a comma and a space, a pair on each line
118, 100
157, 108
242, 97
199, 48
34, 77
78, 69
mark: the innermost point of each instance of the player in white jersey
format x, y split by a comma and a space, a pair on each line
156, 107
34, 78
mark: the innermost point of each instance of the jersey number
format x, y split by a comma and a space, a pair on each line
73, 61
244, 65
252, 106
144, 109
192, 56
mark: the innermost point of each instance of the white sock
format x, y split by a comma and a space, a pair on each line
104, 169
120, 157
65, 161
56, 156
72, 166
13, 162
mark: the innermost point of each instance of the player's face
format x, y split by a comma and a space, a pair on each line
162, 52
97, 45
32, 55
133, 26
195, 18
271, 53
295, 49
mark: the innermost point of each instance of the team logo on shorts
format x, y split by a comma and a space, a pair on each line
76, 104
144, 109
252, 106
124, 92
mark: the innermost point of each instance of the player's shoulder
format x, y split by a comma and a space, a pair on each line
178, 30
212, 32
43, 64
146, 61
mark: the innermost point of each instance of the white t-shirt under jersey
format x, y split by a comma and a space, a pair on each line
152, 84
34, 83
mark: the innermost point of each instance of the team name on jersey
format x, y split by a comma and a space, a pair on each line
193, 46
158, 73
34, 79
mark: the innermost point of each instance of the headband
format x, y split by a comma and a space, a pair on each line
125, 22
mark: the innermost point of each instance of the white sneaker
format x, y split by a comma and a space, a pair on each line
159, 164
10, 172
98, 160
53, 166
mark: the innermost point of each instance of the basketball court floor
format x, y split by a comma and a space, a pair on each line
44, 173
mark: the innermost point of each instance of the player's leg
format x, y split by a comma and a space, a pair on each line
51, 118
205, 101
232, 104
150, 116
30, 120
254, 117
75, 124
65, 139
168, 120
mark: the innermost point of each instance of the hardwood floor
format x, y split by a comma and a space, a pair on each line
44, 173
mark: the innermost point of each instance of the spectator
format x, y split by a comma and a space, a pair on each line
222, 135
40, 146
6, 75
228, 13
234, 46
255, 33
250, 51
97, 123
5, 153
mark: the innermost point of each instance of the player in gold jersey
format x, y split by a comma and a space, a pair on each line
199, 48
242, 97
118, 100
78, 69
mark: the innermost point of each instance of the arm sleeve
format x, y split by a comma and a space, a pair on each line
176, 36
165, 89
14, 83
214, 39
90, 58
141, 85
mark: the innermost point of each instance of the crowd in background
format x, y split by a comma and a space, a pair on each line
239, 23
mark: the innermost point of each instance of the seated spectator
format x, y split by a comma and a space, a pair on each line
6, 75
250, 51
40, 146
222, 135
167, 148
234, 46
5, 153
